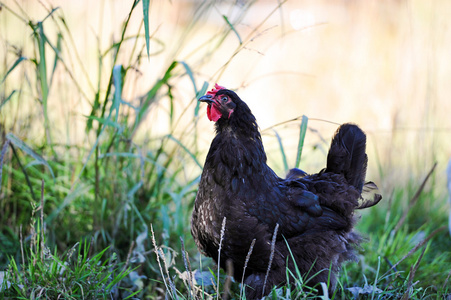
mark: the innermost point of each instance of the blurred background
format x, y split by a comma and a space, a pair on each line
381, 64
118, 132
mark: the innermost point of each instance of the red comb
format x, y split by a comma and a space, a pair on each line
216, 89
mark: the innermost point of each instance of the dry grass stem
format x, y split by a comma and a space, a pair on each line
419, 245
188, 269
127, 262
273, 246
219, 250
21, 245
33, 242
42, 221
414, 199
214, 286
248, 256
158, 257
170, 281
413, 270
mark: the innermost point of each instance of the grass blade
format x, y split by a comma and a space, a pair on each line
190, 74
25, 148
7, 99
57, 55
27, 178
96, 105
150, 95
282, 151
376, 279
43, 82
4, 148
302, 132
118, 73
202, 91
146, 4
414, 199
186, 150
106, 122
233, 29
15, 64
42, 66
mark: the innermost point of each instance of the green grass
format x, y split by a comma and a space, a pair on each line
119, 193
76, 274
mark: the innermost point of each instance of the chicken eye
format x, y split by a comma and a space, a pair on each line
224, 99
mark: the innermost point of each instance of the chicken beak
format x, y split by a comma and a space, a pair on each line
206, 98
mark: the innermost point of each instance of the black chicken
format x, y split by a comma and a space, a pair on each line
314, 213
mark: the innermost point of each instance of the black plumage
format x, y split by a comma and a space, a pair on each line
314, 213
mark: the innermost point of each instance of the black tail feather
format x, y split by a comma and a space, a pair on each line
347, 154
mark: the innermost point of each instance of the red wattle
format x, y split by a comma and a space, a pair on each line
213, 113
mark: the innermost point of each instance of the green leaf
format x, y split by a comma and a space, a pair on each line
95, 107
134, 189
25, 148
190, 74
171, 106
120, 154
57, 51
133, 294
7, 99
43, 69
233, 29
202, 92
146, 4
107, 122
15, 64
302, 131
118, 84
282, 151
186, 149
150, 97
50, 13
